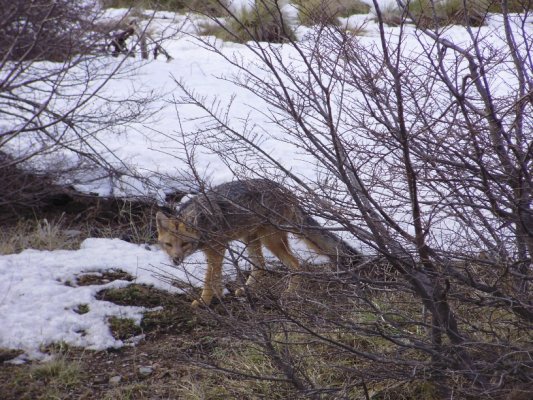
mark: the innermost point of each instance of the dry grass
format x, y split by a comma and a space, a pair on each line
178, 342
58, 372
59, 234
123, 219
39, 234
354, 31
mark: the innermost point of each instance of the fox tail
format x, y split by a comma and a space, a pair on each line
327, 243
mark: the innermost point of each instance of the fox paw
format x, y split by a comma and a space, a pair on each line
201, 303
196, 304
204, 303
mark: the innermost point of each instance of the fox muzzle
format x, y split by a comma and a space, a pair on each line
177, 260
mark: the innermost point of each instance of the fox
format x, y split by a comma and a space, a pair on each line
259, 212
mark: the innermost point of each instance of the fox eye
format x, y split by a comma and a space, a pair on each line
168, 244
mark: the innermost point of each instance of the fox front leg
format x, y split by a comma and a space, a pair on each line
213, 278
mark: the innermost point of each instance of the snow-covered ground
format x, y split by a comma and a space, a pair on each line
38, 290
40, 294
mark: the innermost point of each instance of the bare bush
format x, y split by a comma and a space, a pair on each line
44, 30
53, 110
423, 153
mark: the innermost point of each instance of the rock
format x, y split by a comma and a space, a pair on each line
72, 233
100, 380
145, 370
115, 380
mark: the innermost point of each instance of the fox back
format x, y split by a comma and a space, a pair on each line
233, 209
224, 213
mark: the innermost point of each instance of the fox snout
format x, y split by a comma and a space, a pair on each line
175, 252
177, 260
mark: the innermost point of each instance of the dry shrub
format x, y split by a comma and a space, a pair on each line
38, 234
513, 6
46, 30
434, 13
209, 7
391, 15
455, 12
351, 7
324, 12
36, 212
438, 13
264, 23
168, 5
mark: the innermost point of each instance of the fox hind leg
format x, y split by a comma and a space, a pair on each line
278, 243
257, 259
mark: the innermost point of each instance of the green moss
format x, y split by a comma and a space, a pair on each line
82, 309
123, 328
135, 295
173, 320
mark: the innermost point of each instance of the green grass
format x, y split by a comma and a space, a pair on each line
175, 317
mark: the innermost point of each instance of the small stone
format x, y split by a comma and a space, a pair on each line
115, 380
100, 380
145, 370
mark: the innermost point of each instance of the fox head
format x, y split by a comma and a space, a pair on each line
176, 238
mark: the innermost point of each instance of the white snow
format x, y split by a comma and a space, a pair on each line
38, 289
39, 292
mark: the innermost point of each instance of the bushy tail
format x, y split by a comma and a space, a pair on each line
327, 243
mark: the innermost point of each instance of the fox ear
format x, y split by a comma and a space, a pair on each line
162, 222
